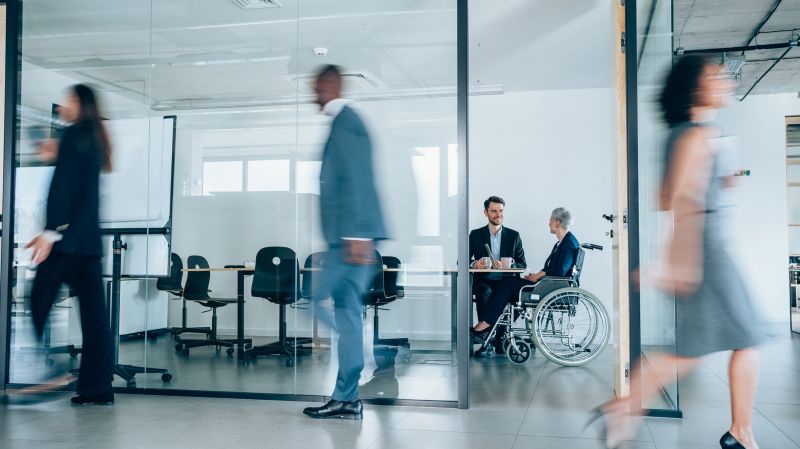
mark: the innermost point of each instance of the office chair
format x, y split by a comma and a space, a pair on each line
72, 350
314, 262
276, 279
173, 284
196, 289
384, 291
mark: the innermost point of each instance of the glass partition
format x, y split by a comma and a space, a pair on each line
654, 20
218, 145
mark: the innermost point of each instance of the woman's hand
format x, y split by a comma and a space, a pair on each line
534, 277
41, 248
48, 150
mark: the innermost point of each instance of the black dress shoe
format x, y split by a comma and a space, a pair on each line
480, 336
337, 409
106, 398
728, 441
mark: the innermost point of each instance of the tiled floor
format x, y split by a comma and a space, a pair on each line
541, 406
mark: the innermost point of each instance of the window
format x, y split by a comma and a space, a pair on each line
269, 175
308, 176
223, 176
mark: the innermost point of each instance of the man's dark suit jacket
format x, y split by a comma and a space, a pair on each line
562, 258
73, 202
349, 205
510, 246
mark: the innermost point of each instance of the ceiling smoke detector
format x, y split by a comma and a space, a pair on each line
254, 4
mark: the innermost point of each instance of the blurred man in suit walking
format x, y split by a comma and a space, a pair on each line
352, 222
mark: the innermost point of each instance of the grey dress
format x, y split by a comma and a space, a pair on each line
720, 314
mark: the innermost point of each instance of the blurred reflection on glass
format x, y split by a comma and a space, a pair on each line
714, 309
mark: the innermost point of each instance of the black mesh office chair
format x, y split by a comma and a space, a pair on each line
173, 284
384, 291
196, 289
277, 279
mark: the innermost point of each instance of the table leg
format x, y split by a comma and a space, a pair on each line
240, 314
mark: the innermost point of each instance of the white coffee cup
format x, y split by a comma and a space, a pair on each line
506, 262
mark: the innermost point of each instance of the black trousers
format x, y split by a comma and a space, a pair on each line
83, 274
482, 289
507, 291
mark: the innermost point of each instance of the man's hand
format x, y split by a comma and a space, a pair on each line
41, 248
497, 264
359, 252
480, 264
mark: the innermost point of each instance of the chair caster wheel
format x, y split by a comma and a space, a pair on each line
131, 383
185, 351
166, 377
289, 363
229, 351
50, 362
178, 347
248, 346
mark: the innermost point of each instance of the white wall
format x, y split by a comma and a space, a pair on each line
759, 124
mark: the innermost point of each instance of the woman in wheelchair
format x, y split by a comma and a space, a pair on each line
559, 263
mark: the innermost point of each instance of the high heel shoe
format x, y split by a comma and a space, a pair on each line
600, 413
728, 441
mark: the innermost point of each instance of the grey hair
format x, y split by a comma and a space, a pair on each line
563, 216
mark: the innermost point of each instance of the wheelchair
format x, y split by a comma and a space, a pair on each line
567, 324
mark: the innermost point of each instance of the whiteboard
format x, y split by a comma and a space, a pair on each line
136, 194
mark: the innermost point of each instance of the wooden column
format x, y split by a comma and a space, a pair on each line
620, 241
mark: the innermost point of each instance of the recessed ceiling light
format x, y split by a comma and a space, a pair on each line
253, 4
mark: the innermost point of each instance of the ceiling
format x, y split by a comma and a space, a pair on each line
711, 24
201, 54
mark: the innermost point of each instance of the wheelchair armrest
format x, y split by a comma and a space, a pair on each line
542, 288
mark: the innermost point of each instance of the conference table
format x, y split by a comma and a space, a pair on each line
242, 272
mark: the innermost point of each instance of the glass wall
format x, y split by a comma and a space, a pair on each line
654, 23
218, 150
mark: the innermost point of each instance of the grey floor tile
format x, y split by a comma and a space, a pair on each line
708, 431
37, 444
538, 442
465, 421
686, 446
405, 439
783, 416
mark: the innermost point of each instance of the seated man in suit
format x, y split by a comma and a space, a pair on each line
502, 241
559, 263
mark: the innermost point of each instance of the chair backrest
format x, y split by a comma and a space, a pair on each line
376, 293
390, 278
313, 261
576, 270
196, 287
175, 279
277, 275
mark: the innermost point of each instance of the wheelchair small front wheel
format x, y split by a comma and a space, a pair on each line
518, 351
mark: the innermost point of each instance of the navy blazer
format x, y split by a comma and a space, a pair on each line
73, 201
349, 205
562, 258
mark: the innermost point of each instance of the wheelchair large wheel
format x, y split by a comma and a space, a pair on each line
570, 326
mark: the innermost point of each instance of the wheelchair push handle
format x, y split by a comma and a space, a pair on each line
591, 246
